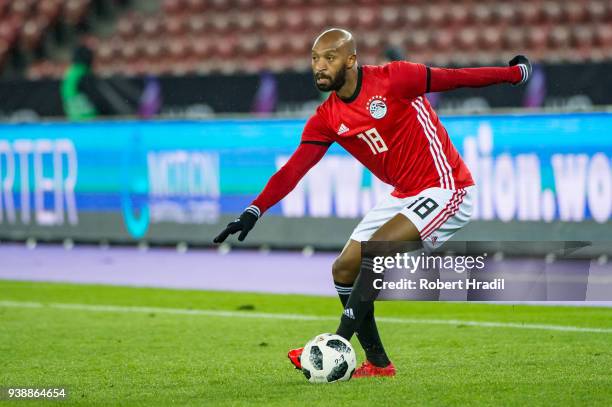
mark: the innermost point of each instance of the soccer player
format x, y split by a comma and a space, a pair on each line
380, 115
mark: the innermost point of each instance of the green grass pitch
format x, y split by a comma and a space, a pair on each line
133, 356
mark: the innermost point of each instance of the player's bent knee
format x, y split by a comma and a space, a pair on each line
345, 270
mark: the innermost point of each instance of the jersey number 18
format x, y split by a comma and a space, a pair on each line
374, 141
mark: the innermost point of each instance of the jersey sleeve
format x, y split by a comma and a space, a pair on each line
443, 79
408, 79
288, 176
317, 131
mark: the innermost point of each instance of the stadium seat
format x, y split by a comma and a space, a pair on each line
389, 17
246, 22
174, 26
192, 35
468, 39
50, 9
413, 16
596, 10
603, 35
489, 39
482, 14
127, 27
171, 7
75, 11
443, 40
4, 50
151, 27
32, 33
458, 15
9, 30
196, 6
574, 12
21, 8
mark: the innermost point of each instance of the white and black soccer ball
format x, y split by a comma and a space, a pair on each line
328, 358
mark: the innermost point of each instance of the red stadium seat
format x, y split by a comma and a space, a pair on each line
127, 27
9, 30
172, 7
75, 11
21, 8
245, 4
537, 37
341, 16
482, 14
418, 41
367, 17
270, 4
490, 38
226, 48
443, 40
3, 8
413, 16
372, 42
596, 10
246, 21
151, 27
4, 50
435, 15
390, 17
50, 9
603, 35
275, 45
529, 13
174, 26
468, 39
129, 51
514, 38
574, 12
583, 36
458, 15
220, 5
299, 44
195, 6
246, 35
552, 12
249, 46
317, 19
32, 33
506, 13
221, 24
106, 52
560, 37
293, 20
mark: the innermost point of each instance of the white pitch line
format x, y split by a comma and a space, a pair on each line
301, 317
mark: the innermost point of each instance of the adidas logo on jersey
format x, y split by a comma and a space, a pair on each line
349, 313
343, 129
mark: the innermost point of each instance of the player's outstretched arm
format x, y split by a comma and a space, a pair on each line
279, 185
442, 79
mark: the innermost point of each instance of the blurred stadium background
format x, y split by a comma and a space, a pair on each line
197, 102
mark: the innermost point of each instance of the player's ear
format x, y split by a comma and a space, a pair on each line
350, 61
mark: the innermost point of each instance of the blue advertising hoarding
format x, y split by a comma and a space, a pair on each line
528, 168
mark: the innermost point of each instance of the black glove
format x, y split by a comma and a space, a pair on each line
243, 224
525, 65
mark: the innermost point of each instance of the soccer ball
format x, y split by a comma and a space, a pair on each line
328, 358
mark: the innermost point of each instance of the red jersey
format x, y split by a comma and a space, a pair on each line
390, 127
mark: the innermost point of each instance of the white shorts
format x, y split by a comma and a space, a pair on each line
437, 213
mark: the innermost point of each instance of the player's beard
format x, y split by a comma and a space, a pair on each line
334, 85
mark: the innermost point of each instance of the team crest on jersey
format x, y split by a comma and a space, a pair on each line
377, 106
